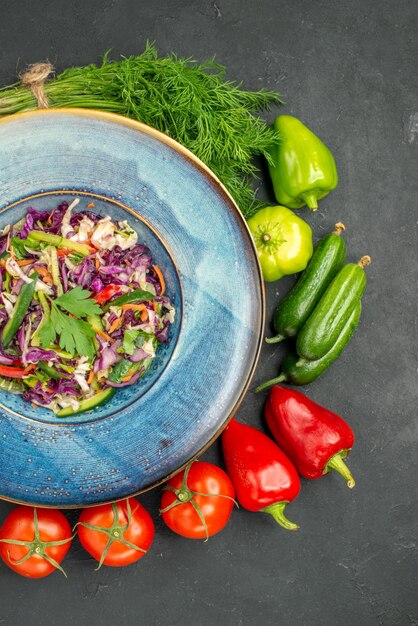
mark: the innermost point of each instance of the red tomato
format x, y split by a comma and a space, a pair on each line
34, 541
116, 534
198, 502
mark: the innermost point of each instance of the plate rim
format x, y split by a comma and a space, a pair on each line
178, 147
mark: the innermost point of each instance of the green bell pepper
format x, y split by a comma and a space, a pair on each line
52, 372
138, 295
304, 169
20, 309
283, 241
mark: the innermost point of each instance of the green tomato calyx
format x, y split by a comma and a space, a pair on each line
37, 546
185, 495
116, 532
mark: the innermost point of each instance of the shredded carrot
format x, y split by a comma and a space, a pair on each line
90, 205
137, 307
133, 307
2, 262
46, 276
29, 368
24, 262
103, 335
117, 323
49, 220
34, 406
90, 377
128, 377
160, 278
41, 270
97, 262
61, 252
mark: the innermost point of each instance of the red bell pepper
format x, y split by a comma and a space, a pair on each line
314, 438
264, 478
12, 372
105, 294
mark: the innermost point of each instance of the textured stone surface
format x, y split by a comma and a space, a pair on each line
349, 71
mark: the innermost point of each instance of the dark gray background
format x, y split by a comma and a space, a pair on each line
349, 71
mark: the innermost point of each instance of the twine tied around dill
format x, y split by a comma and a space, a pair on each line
34, 78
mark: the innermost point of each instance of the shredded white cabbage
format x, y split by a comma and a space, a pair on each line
66, 227
14, 270
85, 227
61, 401
170, 315
104, 237
8, 302
149, 347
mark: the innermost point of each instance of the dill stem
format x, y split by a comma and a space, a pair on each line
193, 103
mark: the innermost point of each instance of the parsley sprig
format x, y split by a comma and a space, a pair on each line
75, 334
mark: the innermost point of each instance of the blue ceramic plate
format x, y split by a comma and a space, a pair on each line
199, 239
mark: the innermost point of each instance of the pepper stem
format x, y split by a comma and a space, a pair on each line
339, 228
275, 339
269, 383
336, 463
311, 201
364, 261
265, 237
277, 511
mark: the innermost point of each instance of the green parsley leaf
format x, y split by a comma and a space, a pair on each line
75, 336
47, 333
78, 302
64, 328
83, 336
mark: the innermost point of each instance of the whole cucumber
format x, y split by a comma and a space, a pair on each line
309, 371
297, 306
329, 317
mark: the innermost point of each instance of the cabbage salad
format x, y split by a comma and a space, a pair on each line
82, 308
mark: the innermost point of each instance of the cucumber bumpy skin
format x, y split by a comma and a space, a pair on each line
327, 259
325, 325
309, 371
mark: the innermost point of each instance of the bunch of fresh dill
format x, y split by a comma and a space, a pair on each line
193, 103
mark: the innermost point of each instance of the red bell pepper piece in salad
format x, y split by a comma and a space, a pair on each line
264, 479
314, 438
13, 372
105, 294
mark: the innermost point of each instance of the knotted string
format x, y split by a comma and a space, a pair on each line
34, 78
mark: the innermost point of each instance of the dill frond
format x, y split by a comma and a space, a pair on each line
191, 102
